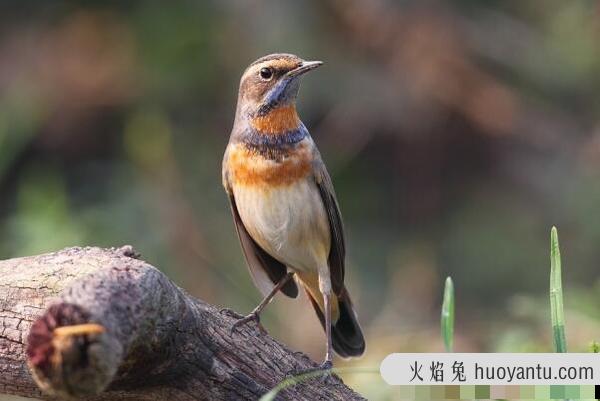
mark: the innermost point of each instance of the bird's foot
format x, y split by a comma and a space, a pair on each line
252, 317
229, 312
323, 371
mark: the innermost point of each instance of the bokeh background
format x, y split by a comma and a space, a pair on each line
457, 133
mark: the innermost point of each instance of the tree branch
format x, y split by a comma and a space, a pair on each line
128, 333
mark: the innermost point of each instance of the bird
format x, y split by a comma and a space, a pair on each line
284, 205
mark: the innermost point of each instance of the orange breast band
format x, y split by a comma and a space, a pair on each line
251, 169
277, 121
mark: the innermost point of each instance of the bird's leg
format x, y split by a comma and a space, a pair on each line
328, 362
255, 314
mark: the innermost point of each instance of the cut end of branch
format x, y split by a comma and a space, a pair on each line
68, 355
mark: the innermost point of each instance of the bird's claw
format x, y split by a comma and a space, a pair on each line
252, 317
229, 312
324, 368
326, 365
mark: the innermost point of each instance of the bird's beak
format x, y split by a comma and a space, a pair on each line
306, 66
286, 89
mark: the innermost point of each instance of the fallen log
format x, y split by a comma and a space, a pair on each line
101, 324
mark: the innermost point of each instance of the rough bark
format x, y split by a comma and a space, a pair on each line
157, 342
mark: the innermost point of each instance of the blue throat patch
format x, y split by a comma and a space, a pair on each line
273, 147
258, 139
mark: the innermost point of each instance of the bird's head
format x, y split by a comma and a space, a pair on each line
270, 83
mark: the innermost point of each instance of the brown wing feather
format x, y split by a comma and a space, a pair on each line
264, 269
337, 252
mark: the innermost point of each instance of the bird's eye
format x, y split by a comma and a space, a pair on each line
266, 73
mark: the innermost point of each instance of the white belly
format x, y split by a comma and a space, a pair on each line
289, 222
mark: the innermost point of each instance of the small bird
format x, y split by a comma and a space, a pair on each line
283, 203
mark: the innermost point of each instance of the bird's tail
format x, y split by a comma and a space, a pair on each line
346, 334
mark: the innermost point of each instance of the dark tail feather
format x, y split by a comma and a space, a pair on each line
346, 333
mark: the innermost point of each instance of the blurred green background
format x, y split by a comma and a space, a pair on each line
457, 133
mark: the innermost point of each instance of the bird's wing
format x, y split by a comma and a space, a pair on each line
337, 251
264, 269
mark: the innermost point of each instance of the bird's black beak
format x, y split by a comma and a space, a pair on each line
306, 66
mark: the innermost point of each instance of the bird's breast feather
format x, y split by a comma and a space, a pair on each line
249, 168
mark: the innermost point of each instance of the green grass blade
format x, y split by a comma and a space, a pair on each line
556, 295
292, 381
447, 319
